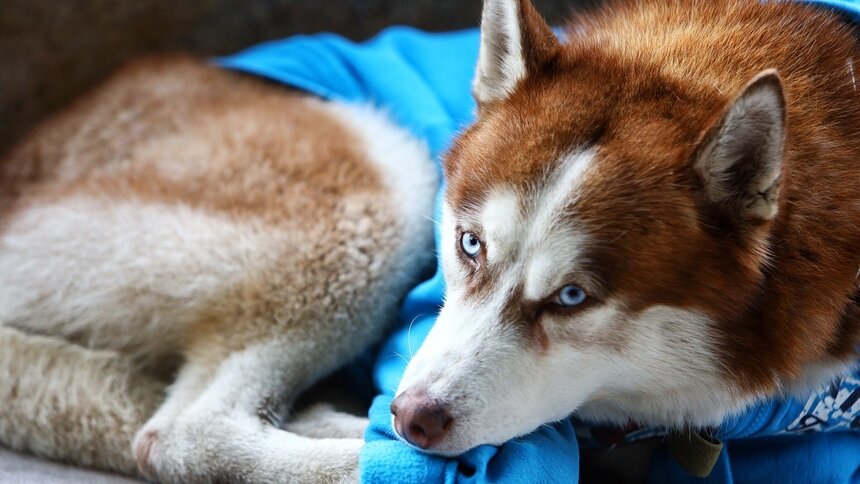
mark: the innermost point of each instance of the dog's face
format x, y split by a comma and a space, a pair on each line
593, 236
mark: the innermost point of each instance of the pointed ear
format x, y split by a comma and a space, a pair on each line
739, 160
515, 40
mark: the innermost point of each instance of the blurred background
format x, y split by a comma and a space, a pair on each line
53, 50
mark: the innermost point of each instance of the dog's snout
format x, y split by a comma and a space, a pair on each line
419, 419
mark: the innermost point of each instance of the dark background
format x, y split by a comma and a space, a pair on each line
52, 50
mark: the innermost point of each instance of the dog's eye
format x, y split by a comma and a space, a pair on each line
471, 244
570, 296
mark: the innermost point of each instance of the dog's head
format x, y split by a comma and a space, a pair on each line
600, 219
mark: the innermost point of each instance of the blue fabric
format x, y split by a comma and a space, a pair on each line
786, 441
811, 458
849, 8
423, 81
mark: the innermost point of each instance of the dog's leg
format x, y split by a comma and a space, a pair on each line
323, 420
329, 410
225, 432
66, 402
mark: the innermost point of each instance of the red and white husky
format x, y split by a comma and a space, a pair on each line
657, 220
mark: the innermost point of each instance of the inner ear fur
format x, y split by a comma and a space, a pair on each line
515, 42
739, 160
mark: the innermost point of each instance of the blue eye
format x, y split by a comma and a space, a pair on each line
570, 296
471, 244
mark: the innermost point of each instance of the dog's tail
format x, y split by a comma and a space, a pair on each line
69, 403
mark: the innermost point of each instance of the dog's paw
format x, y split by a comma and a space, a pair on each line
146, 448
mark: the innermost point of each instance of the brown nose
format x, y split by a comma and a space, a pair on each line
420, 420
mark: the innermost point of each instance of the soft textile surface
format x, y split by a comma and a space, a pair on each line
18, 468
423, 80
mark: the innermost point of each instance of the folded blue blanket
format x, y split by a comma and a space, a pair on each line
423, 80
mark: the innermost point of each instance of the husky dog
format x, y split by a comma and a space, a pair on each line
657, 220
192, 227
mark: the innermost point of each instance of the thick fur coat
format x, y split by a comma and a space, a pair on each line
196, 228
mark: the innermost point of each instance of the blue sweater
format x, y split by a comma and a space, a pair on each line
423, 81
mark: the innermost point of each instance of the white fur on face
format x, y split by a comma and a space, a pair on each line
501, 220
547, 242
665, 373
656, 366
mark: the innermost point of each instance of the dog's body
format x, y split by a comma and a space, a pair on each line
657, 221
188, 225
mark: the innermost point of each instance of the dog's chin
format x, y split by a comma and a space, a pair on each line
443, 451
455, 446
446, 449
451, 446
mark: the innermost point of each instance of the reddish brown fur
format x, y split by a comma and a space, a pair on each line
209, 103
218, 124
644, 82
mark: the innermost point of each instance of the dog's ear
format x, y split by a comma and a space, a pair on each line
739, 159
515, 41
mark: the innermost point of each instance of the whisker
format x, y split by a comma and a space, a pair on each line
409, 336
401, 357
435, 222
